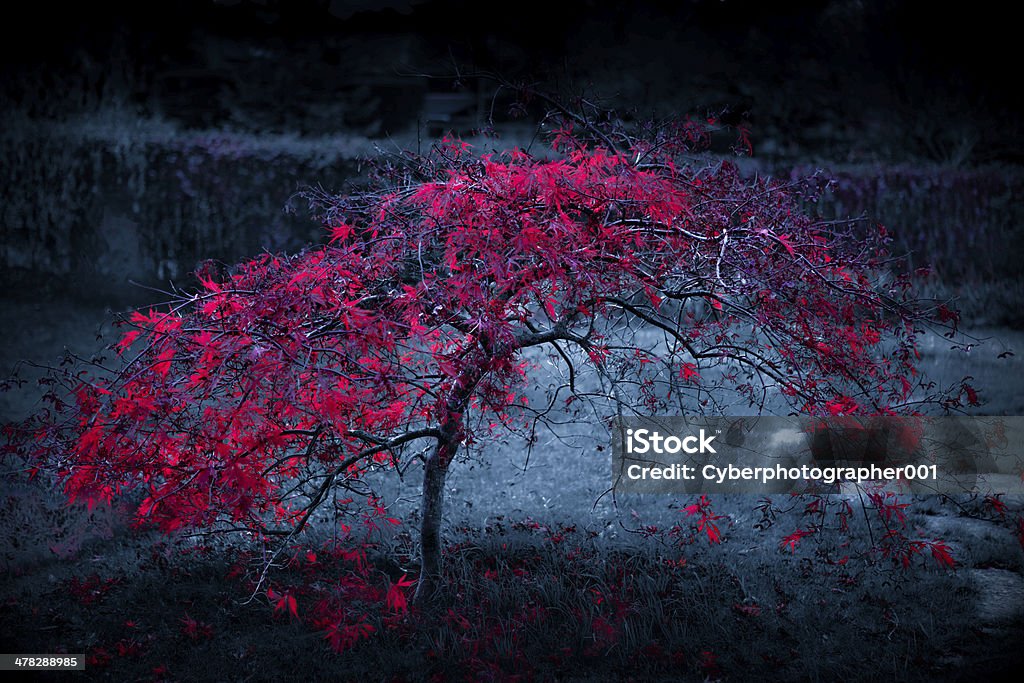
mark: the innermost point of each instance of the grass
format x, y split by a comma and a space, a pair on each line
524, 601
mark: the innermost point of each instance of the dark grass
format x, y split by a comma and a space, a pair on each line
523, 600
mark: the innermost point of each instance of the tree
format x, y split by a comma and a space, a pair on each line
246, 403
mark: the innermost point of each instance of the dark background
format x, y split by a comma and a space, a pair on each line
140, 139
854, 65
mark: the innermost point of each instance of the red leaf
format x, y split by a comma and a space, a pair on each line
343, 636
784, 241
196, 630
284, 602
793, 539
127, 340
906, 388
942, 555
396, 599
945, 314
996, 504
549, 306
341, 232
162, 366
689, 372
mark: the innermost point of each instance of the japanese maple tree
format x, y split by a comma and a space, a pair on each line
248, 403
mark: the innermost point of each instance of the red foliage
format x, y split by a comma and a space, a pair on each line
396, 598
92, 589
98, 658
706, 519
247, 401
902, 550
342, 637
794, 538
997, 504
284, 603
195, 630
888, 506
942, 554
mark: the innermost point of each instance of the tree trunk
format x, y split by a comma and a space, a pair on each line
434, 475
436, 471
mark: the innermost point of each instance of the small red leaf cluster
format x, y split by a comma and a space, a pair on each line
706, 519
883, 509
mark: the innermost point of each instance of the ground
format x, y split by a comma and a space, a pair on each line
549, 578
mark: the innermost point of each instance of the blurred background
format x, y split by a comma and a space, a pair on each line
138, 140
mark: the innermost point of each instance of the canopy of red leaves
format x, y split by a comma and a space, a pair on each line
313, 367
